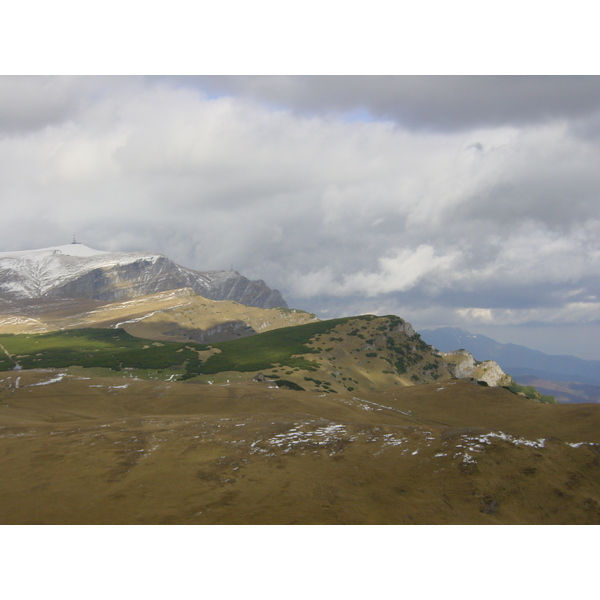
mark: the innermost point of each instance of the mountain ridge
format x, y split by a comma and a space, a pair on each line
516, 359
77, 271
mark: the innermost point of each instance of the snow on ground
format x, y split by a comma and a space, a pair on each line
66, 249
476, 444
485, 439
55, 379
311, 436
138, 319
17, 320
38, 271
321, 436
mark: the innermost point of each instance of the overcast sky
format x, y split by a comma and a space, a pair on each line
463, 201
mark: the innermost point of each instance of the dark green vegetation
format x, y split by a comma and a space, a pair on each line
284, 383
266, 349
117, 350
109, 348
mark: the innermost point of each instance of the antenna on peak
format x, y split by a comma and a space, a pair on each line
74, 242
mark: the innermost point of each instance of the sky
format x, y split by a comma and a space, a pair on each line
468, 201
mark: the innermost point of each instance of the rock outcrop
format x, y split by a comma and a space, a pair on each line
462, 365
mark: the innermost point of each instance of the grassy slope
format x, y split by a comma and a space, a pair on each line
98, 451
261, 352
114, 349
176, 315
349, 353
117, 349
346, 354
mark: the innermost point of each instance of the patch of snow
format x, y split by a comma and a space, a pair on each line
39, 271
66, 249
137, 320
56, 379
390, 440
474, 443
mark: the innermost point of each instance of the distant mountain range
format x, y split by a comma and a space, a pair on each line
77, 271
518, 361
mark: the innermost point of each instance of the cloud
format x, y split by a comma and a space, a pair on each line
452, 195
32, 103
425, 102
401, 271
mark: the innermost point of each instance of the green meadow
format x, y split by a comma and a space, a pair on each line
117, 350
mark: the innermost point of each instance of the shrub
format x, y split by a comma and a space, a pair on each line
289, 384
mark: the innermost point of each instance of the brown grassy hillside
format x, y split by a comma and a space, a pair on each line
176, 315
116, 450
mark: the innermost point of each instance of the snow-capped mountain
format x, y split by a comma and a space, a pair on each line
77, 271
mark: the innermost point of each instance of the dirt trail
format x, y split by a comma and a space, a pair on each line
10, 356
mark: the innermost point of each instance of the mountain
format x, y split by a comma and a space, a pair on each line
514, 359
76, 271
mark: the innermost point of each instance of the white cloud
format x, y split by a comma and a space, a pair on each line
400, 272
494, 217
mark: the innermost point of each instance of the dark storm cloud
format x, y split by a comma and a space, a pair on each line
444, 103
29, 103
25, 107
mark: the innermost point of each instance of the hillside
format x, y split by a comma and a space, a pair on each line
82, 449
175, 315
76, 271
348, 354
353, 420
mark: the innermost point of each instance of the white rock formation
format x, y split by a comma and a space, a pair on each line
462, 365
